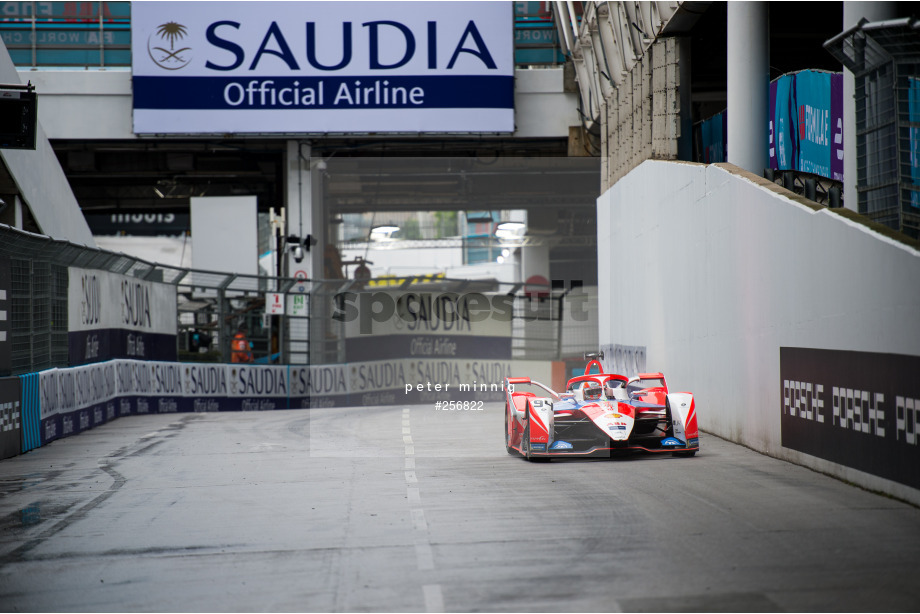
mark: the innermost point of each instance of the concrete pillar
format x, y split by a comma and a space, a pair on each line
534, 261
748, 84
852, 13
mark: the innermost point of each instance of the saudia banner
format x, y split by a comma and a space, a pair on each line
316, 67
425, 325
116, 316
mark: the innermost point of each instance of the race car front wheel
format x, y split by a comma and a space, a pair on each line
508, 447
525, 441
669, 428
525, 438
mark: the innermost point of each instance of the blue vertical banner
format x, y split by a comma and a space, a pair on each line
837, 126
771, 127
813, 108
806, 123
714, 135
784, 126
913, 109
30, 412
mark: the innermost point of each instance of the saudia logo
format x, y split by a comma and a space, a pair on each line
161, 46
172, 58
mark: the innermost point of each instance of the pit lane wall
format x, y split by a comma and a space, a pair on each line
38, 408
797, 329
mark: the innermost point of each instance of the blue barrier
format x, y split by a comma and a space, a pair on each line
31, 412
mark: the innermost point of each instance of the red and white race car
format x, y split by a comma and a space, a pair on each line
599, 414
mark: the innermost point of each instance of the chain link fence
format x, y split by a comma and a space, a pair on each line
547, 323
885, 60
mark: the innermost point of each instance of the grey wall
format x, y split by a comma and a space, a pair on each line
40, 179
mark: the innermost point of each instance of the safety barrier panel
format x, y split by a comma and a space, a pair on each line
58, 403
10, 422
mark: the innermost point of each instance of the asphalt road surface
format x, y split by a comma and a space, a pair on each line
413, 509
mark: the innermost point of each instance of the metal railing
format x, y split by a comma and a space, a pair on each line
211, 305
885, 60
208, 302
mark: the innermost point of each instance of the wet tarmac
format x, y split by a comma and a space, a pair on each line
413, 509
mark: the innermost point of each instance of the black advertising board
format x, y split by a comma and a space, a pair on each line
147, 224
10, 417
857, 409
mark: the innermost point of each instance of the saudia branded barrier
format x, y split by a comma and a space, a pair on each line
80, 398
58, 403
119, 317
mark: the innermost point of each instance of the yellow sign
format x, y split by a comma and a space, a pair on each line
382, 282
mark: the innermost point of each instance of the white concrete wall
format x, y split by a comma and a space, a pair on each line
714, 273
541, 107
83, 104
40, 179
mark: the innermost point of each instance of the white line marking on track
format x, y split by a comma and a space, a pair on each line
418, 520
424, 557
434, 599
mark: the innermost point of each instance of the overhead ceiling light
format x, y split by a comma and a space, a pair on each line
384, 233
510, 231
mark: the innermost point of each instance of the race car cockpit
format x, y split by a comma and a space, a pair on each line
592, 391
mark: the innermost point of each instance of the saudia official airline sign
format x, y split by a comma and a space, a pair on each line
316, 67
